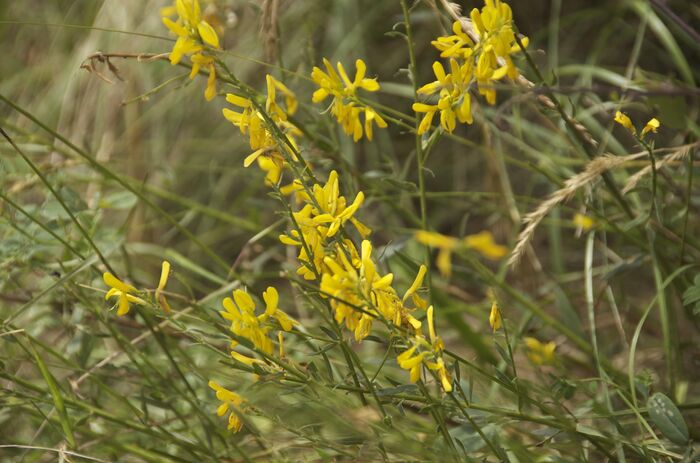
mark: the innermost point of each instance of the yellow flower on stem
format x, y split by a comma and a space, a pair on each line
345, 106
123, 292
495, 317
540, 353
624, 120
408, 361
240, 311
230, 401
160, 297
651, 126
193, 34
454, 100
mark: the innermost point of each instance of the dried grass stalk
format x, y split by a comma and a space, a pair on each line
593, 170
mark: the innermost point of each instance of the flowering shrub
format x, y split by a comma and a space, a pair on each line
392, 325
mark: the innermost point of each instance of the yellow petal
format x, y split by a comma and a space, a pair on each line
208, 34
114, 282
123, 305
164, 273
417, 282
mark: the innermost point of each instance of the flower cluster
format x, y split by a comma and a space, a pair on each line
345, 106
268, 152
324, 212
358, 293
624, 120
426, 352
477, 61
240, 311
194, 35
230, 401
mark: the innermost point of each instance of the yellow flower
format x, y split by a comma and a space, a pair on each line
246, 324
324, 213
193, 33
230, 401
412, 290
458, 45
538, 352
408, 361
481, 62
122, 290
484, 244
651, 126
495, 317
160, 297
345, 106
622, 119
267, 151
439, 366
454, 100
584, 222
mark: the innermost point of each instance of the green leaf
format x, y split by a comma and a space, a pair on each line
56, 396
668, 418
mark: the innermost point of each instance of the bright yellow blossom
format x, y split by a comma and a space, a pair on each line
345, 106
324, 213
268, 153
538, 352
230, 401
123, 292
473, 64
454, 102
624, 120
193, 34
651, 126
426, 352
246, 324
